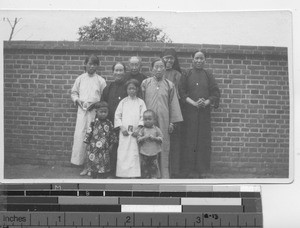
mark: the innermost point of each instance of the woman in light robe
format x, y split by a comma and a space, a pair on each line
129, 118
86, 91
160, 95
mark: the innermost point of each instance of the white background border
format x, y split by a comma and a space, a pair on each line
281, 202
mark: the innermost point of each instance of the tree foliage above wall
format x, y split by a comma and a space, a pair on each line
135, 29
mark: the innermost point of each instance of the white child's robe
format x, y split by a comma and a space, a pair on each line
129, 113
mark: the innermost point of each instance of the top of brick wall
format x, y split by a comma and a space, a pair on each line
143, 46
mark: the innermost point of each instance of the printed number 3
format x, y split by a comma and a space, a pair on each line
198, 219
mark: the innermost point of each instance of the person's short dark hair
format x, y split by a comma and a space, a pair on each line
113, 67
101, 104
150, 111
195, 52
156, 60
93, 58
134, 82
169, 51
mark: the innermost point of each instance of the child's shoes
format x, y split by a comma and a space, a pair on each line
84, 172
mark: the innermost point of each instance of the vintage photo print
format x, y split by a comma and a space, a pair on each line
147, 97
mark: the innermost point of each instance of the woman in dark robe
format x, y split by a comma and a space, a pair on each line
199, 90
113, 94
173, 73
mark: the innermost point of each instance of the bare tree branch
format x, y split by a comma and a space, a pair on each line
13, 26
9, 22
29, 36
18, 31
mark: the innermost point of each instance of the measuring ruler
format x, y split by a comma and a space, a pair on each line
94, 205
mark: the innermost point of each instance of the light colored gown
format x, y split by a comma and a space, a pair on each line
129, 113
161, 97
88, 89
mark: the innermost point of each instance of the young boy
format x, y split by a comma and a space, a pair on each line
150, 140
100, 139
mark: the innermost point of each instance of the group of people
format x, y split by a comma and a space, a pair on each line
145, 127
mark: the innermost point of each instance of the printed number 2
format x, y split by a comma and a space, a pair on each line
198, 219
128, 218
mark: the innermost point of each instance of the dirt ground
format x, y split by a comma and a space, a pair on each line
26, 171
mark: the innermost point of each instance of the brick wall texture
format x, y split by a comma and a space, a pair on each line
250, 130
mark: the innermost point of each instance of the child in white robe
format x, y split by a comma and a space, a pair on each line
129, 117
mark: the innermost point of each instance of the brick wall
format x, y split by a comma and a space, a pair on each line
250, 129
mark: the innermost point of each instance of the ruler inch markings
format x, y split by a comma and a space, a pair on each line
239, 208
154, 220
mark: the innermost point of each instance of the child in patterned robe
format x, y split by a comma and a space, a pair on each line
100, 139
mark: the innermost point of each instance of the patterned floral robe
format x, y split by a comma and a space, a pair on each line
100, 138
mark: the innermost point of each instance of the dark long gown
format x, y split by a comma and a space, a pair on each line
140, 77
113, 94
175, 137
196, 84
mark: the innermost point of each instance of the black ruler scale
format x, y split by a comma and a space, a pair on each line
129, 205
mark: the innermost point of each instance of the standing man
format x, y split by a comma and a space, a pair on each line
134, 70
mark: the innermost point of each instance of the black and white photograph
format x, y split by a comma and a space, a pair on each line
135, 96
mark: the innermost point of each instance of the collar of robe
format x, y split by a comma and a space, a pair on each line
198, 69
156, 79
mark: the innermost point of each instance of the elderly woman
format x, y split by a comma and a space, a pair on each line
115, 91
160, 95
173, 73
199, 90
113, 94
